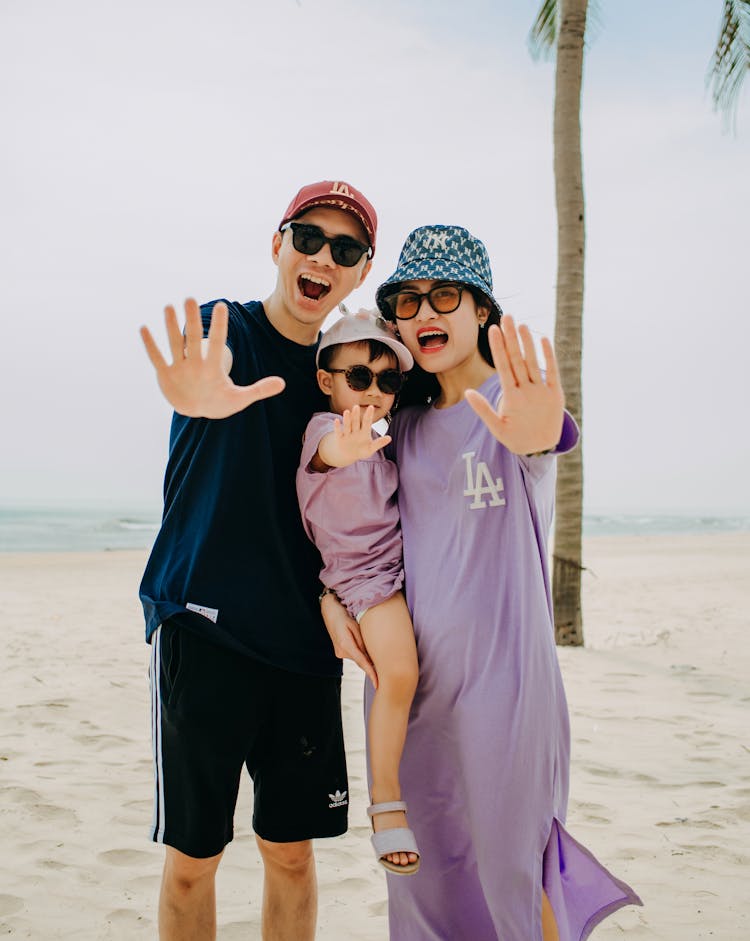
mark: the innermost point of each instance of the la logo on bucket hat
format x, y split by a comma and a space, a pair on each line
441, 253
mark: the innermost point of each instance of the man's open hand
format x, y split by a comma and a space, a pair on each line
196, 383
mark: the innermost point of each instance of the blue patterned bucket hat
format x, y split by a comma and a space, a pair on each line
440, 253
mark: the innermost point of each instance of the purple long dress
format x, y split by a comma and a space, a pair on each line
485, 767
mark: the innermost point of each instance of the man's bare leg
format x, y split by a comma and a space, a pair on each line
290, 891
187, 902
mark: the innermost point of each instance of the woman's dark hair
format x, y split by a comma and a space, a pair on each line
423, 387
375, 349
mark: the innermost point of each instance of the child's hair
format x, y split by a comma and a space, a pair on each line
375, 349
423, 387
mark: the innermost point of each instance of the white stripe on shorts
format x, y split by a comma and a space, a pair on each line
158, 821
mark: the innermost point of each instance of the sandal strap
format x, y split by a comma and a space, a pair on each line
385, 808
398, 840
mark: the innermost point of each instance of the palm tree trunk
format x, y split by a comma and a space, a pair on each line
567, 565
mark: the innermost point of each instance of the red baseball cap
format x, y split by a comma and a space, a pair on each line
338, 195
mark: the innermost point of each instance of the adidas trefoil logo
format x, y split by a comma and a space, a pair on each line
338, 799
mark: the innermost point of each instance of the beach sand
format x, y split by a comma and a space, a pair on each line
660, 781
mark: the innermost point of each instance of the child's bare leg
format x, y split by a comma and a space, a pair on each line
389, 637
549, 925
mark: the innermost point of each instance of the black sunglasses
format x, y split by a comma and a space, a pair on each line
359, 378
309, 239
442, 298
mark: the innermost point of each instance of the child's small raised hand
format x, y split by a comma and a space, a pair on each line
352, 437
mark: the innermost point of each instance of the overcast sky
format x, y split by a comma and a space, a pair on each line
150, 148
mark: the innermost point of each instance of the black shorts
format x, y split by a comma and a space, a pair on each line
213, 711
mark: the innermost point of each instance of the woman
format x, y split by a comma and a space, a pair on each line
486, 760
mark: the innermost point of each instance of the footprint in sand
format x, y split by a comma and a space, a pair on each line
51, 813
134, 812
599, 772
127, 918
20, 795
586, 806
68, 763
10, 904
353, 886
47, 704
685, 821
657, 720
593, 818
146, 885
705, 849
140, 805
126, 858
103, 741
33, 803
714, 738
54, 864
239, 930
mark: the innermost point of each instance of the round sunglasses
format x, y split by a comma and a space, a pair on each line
359, 378
309, 239
442, 298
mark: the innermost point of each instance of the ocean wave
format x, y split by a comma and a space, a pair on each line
634, 524
130, 524
81, 530
74, 530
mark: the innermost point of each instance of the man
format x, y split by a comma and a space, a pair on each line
242, 669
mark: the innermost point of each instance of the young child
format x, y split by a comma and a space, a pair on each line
347, 494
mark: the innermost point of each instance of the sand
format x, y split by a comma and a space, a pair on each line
660, 787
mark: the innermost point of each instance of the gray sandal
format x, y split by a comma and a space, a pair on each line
396, 840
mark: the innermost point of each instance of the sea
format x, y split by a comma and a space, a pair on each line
46, 529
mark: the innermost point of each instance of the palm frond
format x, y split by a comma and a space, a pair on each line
731, 58
543, 36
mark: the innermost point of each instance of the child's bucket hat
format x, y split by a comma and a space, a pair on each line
365, 325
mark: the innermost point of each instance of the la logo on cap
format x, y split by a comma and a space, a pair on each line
340, 189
